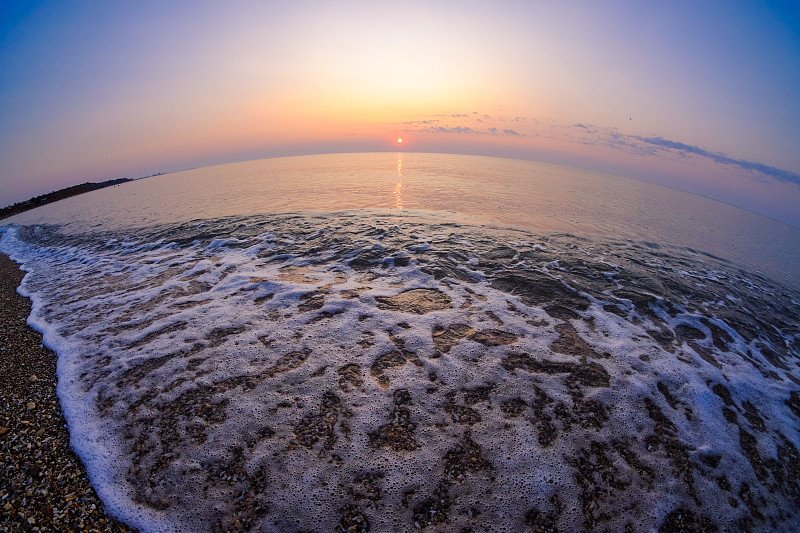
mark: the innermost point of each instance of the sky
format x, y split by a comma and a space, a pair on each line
702, 96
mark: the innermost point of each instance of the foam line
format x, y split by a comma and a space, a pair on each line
388, 373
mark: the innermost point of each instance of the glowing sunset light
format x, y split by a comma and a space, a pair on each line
245, 83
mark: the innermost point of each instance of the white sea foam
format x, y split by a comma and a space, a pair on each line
263, 373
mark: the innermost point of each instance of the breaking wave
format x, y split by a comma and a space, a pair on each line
379, 371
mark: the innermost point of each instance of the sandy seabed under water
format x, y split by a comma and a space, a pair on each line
369, 372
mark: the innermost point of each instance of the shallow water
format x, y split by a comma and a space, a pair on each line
391, 369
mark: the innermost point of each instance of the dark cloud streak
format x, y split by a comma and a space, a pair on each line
590, 135
778, 174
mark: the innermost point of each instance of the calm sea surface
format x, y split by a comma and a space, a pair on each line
522, 194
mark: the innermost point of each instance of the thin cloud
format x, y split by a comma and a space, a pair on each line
591, 135
456, 129
466, 130
781, 175
414, 122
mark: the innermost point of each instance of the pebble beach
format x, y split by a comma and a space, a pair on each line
43, 485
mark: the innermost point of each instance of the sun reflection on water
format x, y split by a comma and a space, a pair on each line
398, 195
398, 189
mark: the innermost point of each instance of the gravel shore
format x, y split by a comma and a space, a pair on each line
43, 484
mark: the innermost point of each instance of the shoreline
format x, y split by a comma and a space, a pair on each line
43, 484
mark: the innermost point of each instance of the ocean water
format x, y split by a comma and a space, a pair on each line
392, 342
480, 190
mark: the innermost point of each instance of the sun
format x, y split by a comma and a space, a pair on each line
399, 140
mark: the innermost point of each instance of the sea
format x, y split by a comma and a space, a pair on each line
402, 341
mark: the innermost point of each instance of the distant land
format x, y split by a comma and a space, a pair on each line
61, 194
55, 196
